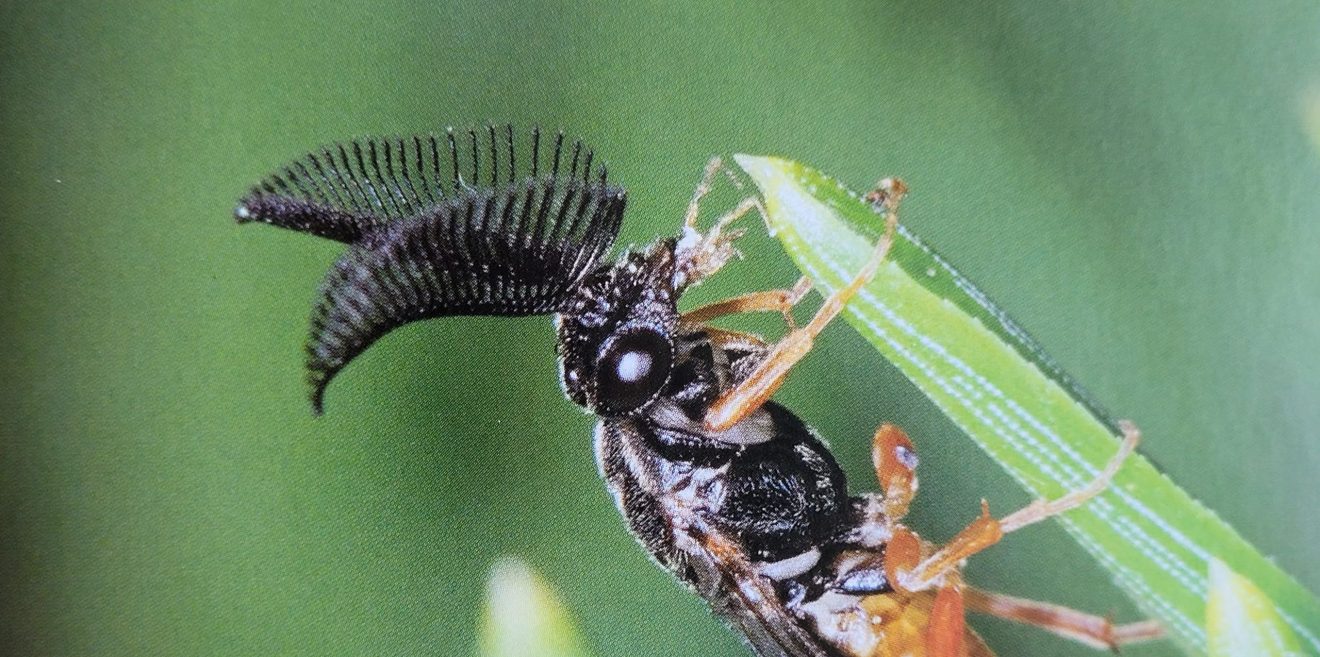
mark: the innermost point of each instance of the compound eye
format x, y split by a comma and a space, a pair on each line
632, 368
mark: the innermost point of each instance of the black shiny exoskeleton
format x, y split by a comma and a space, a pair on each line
626, 357
471, 225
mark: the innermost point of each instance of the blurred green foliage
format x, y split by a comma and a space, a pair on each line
1135, 183
1240, 619
524, 617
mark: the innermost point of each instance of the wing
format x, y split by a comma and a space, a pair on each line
438, 227
746, 600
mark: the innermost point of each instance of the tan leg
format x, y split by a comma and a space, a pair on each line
702, 254
781, 301
1042, 509
736, 403
986, 531
1094, 631
703, 188
726, 339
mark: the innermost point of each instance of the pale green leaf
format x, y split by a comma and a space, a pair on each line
524, 618
1242, 620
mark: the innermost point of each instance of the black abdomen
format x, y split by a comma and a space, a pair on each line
779, 497
786, 495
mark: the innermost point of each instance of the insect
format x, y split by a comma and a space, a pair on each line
726, 489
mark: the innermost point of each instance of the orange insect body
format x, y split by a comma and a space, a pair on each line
900, 623
924, 614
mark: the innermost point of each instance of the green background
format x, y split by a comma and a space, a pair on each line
1135, 183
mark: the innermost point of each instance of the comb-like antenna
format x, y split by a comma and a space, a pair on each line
586, 169
476, 172
577, 149
453, 155
513, 164
559, 147
425, 242
494, 157
536, 148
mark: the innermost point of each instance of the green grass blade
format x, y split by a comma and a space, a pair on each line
991, 379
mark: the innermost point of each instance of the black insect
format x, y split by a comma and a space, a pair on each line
726, 489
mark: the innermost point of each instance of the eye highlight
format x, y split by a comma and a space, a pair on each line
632, 368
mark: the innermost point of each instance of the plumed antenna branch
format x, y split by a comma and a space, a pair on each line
438, 226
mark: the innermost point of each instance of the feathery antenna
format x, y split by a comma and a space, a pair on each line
426, 239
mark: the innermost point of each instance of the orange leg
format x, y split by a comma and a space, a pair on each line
895, 461
736, 403
946, 636
986, 531
1094, 631
781, 301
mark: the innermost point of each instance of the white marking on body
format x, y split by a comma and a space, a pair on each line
755, 429
790, 567
842, 622
875, 528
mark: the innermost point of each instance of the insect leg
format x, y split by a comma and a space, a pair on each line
1088, 629
727, 339
703, 188
736, 403
895, 461
986, 531
781, 301
702, 254
1042, 509
946, 634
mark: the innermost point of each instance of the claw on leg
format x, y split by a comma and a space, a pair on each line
887, 194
